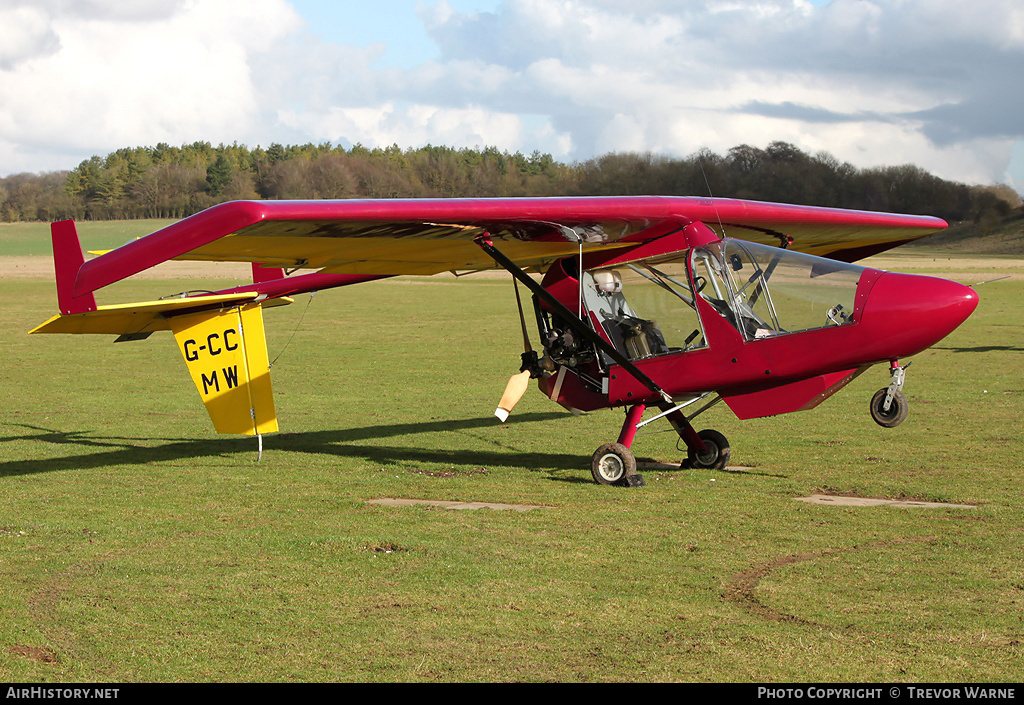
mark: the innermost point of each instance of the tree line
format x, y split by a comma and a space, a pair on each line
175, 181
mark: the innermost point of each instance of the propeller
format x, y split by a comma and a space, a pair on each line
518, 383
514, 391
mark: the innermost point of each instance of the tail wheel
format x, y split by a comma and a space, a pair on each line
612, 463
716, 451
897, 409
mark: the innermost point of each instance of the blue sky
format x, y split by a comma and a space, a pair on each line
872, 82
391, 24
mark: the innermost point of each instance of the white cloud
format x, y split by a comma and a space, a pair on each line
415, 124
26, 35
872, 81
117, 77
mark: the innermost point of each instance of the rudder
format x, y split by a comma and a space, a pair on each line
226, 355
67, 261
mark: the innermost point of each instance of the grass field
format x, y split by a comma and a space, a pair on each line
138, 546
34, 238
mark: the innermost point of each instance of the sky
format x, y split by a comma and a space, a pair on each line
936, 83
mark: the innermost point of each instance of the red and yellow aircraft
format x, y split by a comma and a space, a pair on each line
645, 301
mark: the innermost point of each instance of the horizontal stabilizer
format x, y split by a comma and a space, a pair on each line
226, 355
128, 337
135, 321
135, 318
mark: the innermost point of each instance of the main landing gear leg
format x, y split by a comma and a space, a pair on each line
706, 449
614, 463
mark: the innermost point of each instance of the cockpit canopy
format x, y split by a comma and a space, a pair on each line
647, 307
765, 291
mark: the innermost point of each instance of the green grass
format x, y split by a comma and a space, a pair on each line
34, 238
136, 545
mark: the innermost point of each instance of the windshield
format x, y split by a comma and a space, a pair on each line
765, 291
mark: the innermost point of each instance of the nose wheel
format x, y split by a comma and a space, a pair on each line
892, 416
889, 405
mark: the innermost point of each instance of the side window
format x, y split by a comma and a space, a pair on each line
718, 288
645, 309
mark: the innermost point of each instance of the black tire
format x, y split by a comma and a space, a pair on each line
611, 463
897, 410
716, 455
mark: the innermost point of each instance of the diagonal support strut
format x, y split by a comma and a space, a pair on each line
570, 318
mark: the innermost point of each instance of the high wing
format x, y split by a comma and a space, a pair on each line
428, 236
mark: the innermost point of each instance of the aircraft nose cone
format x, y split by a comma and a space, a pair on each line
914, 312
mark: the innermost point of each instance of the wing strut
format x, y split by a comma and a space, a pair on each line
570, 318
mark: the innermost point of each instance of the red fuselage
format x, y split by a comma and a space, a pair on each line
893, 316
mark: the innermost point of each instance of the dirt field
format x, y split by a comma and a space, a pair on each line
1007, 238
967, 269
39, 267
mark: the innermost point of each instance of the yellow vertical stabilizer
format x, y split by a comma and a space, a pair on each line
226, 354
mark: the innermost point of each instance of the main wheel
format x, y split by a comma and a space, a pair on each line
611, 463
897, 409
716, 451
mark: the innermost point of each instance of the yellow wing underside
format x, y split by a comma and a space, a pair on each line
345, 254
379, 255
